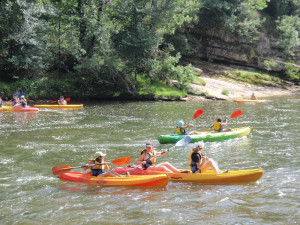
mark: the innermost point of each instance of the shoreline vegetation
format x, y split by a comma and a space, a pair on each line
214, 82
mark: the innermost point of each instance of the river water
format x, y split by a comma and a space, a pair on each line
31, 144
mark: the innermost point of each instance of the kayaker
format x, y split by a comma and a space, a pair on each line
21, 103
253, 96
1, 101
200, 163
62, 101
147, 160
219, 125
15, 100
181, 129
101, 170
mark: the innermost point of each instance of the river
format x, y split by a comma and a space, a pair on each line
32, 143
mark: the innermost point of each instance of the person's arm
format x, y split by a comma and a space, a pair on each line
188, 125
140, 160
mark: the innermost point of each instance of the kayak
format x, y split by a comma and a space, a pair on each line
238, 176
206, 136
19, 109
246, 100
159, 180
59, 106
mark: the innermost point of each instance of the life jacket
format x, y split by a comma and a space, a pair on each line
97, 167
149, 155
217, 126
178, 131
192, 163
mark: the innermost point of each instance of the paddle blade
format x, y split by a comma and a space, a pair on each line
206, 130
236, 114
68, 99
53, 101
250, 86
61, 169
197, 114
187, 139
121, 161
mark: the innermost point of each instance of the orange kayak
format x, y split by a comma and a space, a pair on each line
160, 180
210, 177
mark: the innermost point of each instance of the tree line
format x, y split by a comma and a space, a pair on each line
114, 47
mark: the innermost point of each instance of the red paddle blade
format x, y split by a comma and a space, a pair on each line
197, 114
61, 169
53, 101
68, 99
121, 161
236, 114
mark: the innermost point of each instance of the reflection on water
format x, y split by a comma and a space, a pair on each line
31, 144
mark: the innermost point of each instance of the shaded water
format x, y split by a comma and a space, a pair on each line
31, 144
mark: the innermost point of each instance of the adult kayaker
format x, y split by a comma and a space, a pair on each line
101, 170
200, 163
253, 96
147, 160
219, 125
62, 101
181, 128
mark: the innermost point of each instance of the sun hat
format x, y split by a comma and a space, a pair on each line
180, 123
61, 97
149, 144
22, 96
199, 144
97, 154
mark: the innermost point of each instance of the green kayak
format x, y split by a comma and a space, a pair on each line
206, 136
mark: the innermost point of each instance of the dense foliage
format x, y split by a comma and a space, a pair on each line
105, 48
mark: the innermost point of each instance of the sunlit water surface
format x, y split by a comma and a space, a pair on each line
32, 143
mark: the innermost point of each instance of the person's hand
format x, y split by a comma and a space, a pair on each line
143, 163
164, 152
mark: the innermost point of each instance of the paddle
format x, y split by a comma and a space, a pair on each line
197, 114
65, 168
67, 100
233, 115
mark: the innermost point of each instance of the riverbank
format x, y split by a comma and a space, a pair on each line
236, 90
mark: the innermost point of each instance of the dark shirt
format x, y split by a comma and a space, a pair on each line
196, 157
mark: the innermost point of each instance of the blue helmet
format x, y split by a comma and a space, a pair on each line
180, 123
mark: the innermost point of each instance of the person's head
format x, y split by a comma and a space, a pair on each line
198, 146
180, 123
61, 98
149, 146
22, 98
252, 93
219, 120
99, 156
15, 96
18, 91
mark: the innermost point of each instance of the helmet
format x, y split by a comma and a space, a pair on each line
180, 123
199, 144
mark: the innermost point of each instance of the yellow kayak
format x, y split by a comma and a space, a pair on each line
210, 177
59, 106
246, 100
160, 180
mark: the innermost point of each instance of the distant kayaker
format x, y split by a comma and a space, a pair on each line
62, 101
15, 100
219, 125
200, 163
253, 96
147, 160
101, 170
1, 102
181, 128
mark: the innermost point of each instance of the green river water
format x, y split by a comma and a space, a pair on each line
32, 143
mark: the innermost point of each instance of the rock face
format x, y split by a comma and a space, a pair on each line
248, 52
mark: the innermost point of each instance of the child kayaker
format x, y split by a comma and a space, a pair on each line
15, 100
200, 163
219, 125
62, 101
101, 170
21, 103
181, 129
147, 160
